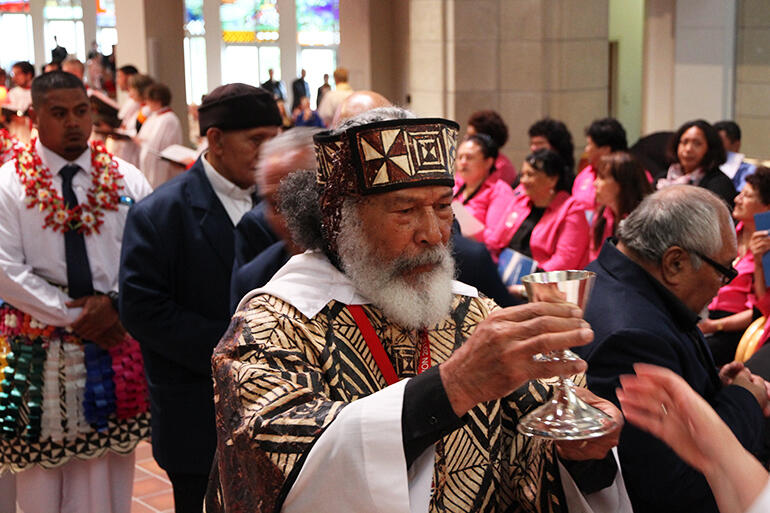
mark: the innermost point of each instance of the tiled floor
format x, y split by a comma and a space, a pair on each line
152, 490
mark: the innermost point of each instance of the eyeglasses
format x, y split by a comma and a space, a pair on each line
728, 273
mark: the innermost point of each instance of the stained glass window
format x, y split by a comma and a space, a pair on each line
14, 6
249, 21
193, 17
194, 51
105, 13
318, 22
63, 10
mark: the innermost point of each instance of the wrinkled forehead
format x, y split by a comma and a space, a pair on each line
409, 197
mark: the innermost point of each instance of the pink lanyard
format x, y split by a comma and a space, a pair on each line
378, 352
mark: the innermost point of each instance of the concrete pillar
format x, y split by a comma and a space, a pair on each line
704, 63
213, 37
752, 88
151, 37
658, 76
429, 47
38, 32
288, 44
354, 52
524, 58
89, 24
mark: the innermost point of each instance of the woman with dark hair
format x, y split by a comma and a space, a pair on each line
603, 137
544, 223
620, 185
697, 152
552, 134
731, 311
476, 182
490, 123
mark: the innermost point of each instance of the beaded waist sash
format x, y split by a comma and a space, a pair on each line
64, 397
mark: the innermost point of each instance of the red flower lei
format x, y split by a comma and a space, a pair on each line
86, 218
8, 146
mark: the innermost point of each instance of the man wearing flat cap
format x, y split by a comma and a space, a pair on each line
175, 272
362, 378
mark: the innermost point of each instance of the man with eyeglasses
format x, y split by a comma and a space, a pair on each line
671, 256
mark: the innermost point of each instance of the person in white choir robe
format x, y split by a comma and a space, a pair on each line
161, 129
128, 149
20, 98
37, 279
127, 113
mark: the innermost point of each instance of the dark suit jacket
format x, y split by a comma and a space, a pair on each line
252, 236
257, 272
475, 267
299, 88
636, 320
719, 183
176, 262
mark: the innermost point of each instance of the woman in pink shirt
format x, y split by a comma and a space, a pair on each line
544, 223
491, 123
476, 185
731, 311
620, 186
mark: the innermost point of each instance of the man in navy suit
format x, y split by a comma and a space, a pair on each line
672, 254
175, 272
264, 228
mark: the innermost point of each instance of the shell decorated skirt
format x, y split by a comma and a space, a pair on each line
62, 397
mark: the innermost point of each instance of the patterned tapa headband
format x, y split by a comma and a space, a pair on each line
380, 157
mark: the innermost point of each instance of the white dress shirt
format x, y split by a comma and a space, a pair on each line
32, 261
236, 201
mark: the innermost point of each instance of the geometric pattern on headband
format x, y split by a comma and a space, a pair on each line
401, 155
391, 154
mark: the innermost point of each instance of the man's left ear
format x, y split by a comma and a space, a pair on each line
674, 263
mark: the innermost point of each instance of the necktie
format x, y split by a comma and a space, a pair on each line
79, 280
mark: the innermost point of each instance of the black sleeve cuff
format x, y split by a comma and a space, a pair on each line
427, 414
592, 475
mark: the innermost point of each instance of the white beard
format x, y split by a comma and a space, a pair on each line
421, 303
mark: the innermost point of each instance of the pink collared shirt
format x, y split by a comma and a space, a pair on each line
491, 193
559, 240
583, 189
504, 170
736, 296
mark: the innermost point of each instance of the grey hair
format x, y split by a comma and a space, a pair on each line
681, 215
291, 150
298, 203
375, 115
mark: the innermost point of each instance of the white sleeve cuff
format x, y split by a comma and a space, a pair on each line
613, 499
358, 463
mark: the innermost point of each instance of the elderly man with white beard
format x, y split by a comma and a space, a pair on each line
362, 378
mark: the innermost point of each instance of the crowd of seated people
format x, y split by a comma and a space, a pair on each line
732, 310
546, 211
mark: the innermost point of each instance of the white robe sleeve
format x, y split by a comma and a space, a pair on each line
613, 499
762, 502
358, 463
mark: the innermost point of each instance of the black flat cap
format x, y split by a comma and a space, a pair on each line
238, 107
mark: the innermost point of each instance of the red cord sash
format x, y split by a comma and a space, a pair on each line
378, 351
